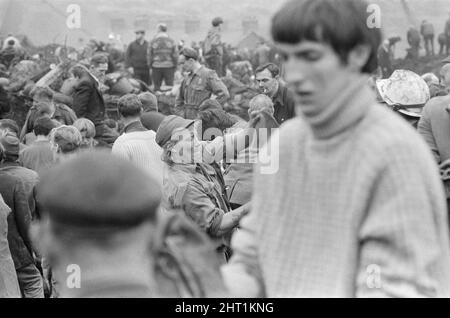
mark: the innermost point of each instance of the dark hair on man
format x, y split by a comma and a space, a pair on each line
215, 118
42, 94
111, 123
79, 71
99, 58
130, 105
43, 126
341, 24
272, 68
10, 125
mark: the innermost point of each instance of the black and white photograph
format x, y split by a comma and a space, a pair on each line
224, 154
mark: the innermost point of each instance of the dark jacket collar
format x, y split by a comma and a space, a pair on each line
134, 126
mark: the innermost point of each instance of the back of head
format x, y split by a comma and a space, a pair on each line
214, 122
85, 127
11, 146
261, 103
67, 138
130, 106
99, 191
152, 120
317, 21
9, 125
149, 102
42, 126
162, 27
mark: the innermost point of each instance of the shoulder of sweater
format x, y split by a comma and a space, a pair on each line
386, 134
437, 103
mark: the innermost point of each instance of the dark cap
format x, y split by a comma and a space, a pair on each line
99, 58
152, 120
99, 190
217, 21
11, 144
149, 101
168, 126
189, 53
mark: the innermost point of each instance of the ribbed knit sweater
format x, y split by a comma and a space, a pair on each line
356, 209
141, 148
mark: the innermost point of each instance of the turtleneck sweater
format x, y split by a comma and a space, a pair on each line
356, 209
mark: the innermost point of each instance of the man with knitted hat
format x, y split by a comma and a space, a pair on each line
100, 213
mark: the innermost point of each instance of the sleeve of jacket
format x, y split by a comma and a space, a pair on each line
175, 54
128, 56
22, 214
424, 129
199, 207
179, 101
150, 54
243, 274
218, 87
81, 99
403, 237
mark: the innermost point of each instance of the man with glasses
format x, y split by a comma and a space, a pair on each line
136, 58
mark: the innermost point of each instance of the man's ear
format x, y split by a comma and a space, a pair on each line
358, 57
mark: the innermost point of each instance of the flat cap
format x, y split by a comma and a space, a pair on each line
98, 190
168, 126
149, 101
152, 120
99, 58
189, 53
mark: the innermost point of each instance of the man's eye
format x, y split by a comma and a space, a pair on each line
284, 57
310, 56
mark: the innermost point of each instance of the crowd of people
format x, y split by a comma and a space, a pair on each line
174, 171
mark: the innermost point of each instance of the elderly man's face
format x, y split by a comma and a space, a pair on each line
267, 84
316, 75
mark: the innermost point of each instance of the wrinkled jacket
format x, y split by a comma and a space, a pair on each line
186, 264
196, 88
163, 52
213, 43
29, 178
196, 190
13, 192
9, 287
88, 101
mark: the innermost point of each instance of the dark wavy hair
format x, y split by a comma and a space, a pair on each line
340, 23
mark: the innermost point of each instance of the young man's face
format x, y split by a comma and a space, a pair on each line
267, 84
186, 65
315, 73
